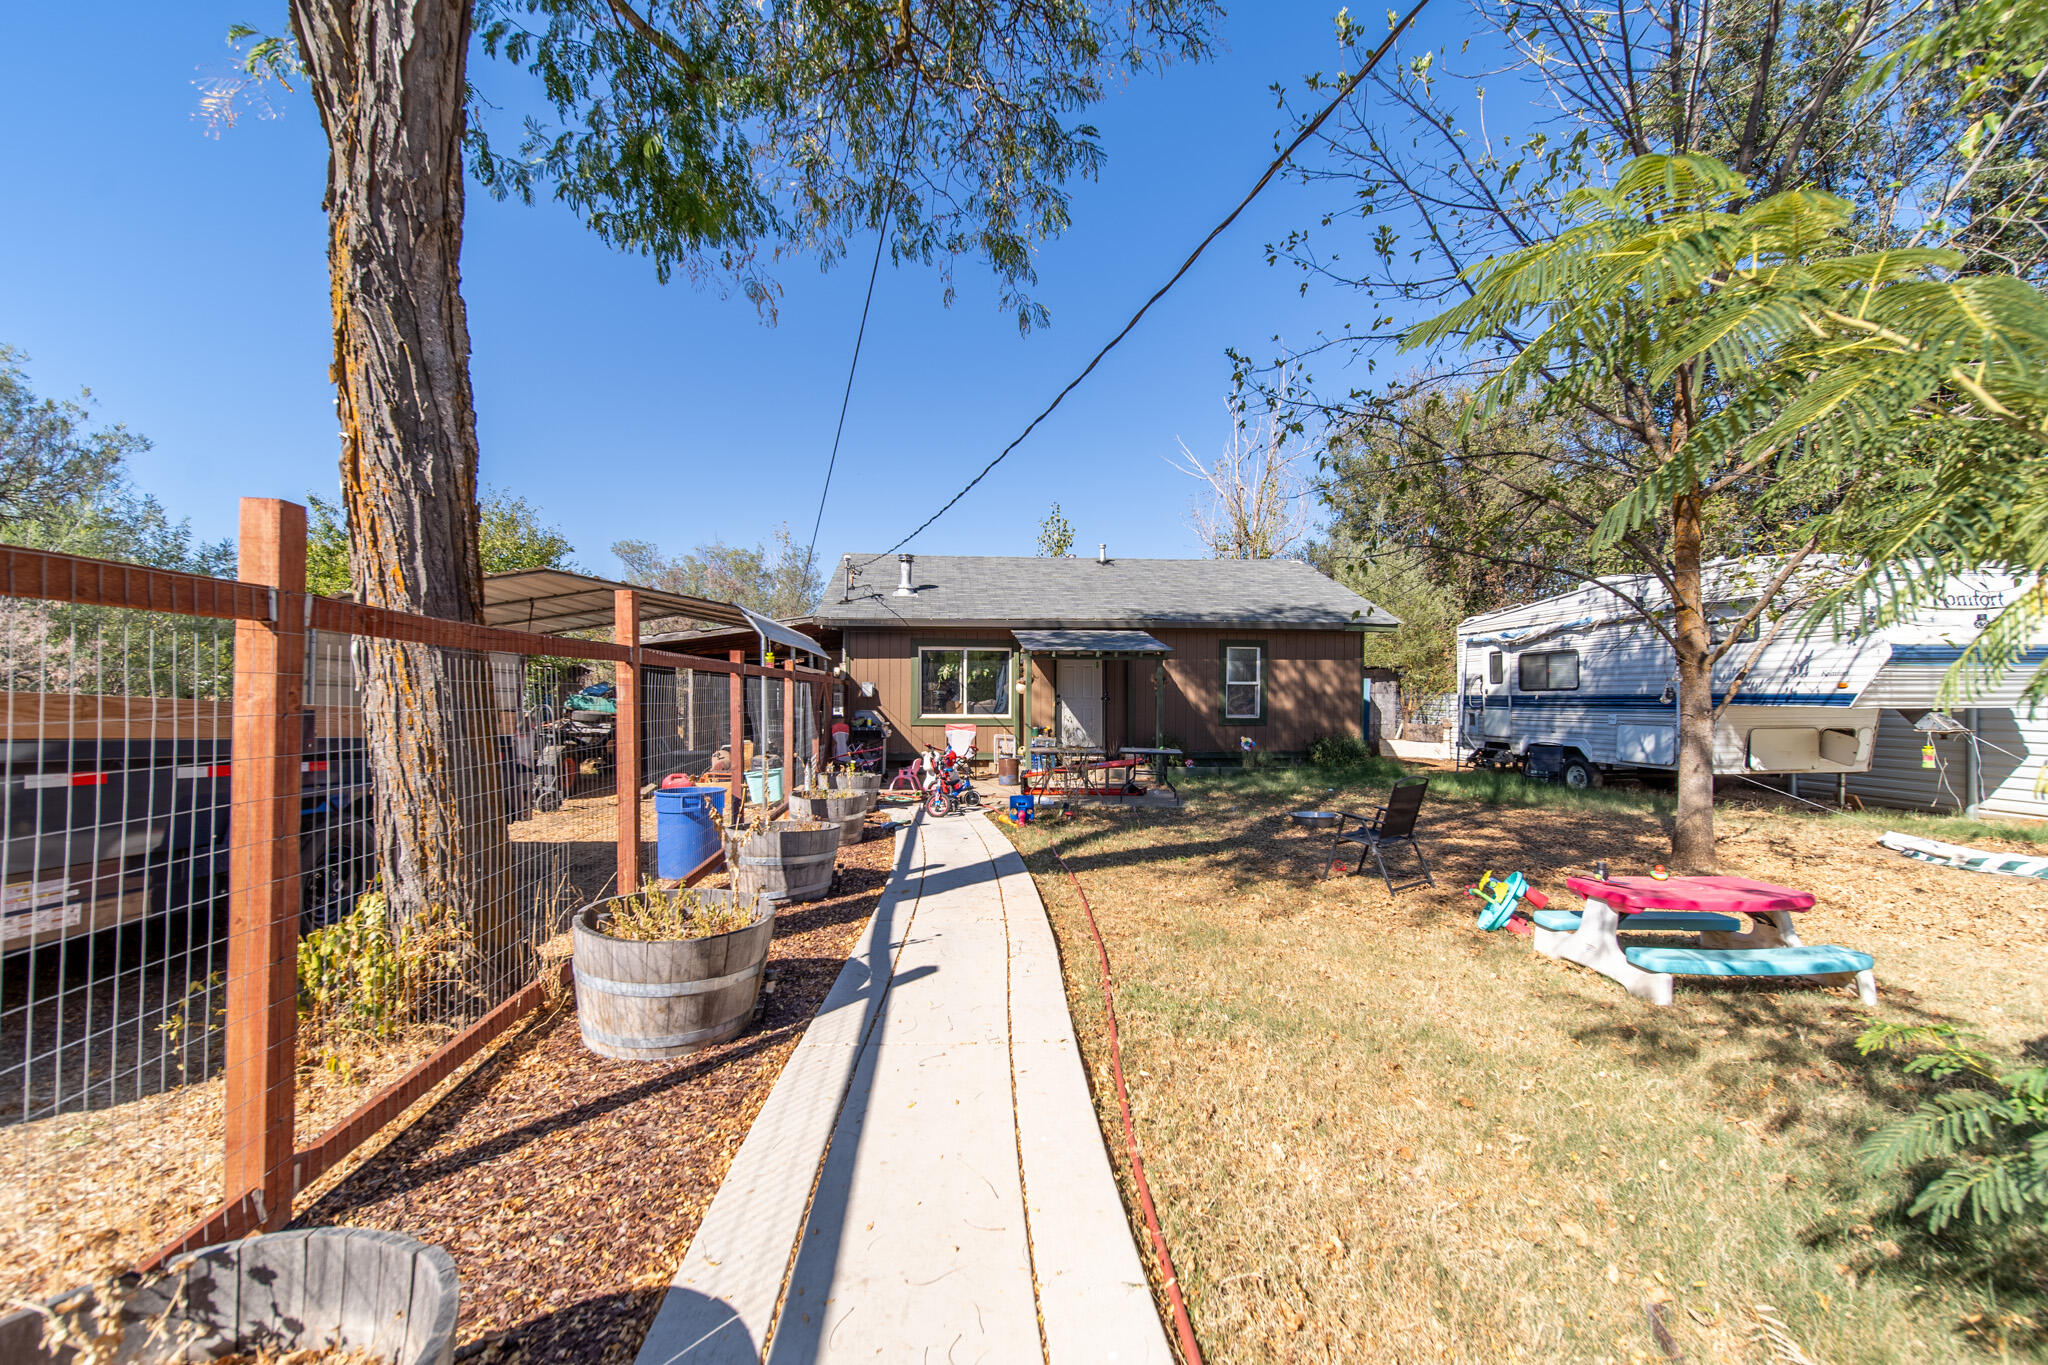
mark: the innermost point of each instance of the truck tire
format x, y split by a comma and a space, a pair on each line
332, 875
1580, 774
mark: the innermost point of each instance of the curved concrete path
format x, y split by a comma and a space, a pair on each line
927, 1180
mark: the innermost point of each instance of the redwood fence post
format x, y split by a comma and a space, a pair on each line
263, 869
738, 778
626, 738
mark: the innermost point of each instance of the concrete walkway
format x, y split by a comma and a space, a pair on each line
927, 1180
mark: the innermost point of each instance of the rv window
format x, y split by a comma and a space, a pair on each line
1555, 671
1720, 621
1496, 667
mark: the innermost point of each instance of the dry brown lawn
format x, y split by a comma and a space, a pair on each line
1376, 1133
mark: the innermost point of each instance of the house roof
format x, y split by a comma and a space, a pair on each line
1089, 642
1033, 591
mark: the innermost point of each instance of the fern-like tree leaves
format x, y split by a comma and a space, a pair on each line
1984, 1143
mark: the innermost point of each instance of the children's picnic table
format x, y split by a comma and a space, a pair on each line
1707, 906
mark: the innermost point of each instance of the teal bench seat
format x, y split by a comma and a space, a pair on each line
1815, 960
1650, 921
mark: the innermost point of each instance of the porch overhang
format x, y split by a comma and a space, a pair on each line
1091, 643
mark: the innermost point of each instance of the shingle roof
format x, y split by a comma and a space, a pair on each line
1141, 593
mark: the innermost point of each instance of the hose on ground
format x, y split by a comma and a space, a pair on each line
1191, 1350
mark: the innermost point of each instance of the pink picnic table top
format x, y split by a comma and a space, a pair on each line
1728, 895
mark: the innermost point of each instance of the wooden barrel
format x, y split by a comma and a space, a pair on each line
867, 784
317, 1289
651, 1001
848, 810
784, 862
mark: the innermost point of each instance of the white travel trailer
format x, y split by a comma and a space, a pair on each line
1579, 686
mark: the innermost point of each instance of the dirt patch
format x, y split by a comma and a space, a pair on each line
567, 1186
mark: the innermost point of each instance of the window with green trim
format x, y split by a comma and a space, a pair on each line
967, 683
1244, 683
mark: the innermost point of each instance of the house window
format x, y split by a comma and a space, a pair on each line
963, 682
1244, 683
1555, 670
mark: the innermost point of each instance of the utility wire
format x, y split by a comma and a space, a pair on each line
860, 335
1279, 162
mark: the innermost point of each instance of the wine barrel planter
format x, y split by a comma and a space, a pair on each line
784, 862
353, 1288
868, 784
643, 1001
848, 810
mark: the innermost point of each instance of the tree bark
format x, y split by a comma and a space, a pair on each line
1692, 842
388, 77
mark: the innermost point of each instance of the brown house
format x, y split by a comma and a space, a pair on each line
1197, 653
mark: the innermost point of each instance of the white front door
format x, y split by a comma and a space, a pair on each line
1079, 686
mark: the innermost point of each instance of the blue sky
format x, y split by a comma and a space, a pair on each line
183, 279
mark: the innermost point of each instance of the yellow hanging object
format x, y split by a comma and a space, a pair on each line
1927, 755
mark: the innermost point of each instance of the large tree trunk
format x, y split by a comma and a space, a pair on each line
1692, 842
389, 79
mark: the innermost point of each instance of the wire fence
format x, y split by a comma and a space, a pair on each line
275, 866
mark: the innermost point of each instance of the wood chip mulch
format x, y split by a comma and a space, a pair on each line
567, 1186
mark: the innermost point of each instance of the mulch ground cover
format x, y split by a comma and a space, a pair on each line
567, 1186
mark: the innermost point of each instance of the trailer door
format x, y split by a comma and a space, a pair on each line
1496, 724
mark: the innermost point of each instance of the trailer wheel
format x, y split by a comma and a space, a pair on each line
332, 874
1581, 775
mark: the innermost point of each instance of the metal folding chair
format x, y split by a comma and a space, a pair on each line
1393, 823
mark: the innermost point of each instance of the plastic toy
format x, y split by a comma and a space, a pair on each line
1502, 897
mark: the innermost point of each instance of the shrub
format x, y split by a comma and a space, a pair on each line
1337, 751
667, 916
1986, 1140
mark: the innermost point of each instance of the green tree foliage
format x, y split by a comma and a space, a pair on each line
1983, 1142
513, 532
64, 486
1739, 341
692, 131
1055, 535
775, 578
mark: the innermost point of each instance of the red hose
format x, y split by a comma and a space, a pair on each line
1191, 1350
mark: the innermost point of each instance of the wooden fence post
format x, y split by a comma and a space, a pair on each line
789, 783
263, 870
739, 734
626, 739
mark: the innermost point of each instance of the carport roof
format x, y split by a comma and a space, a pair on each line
556, 601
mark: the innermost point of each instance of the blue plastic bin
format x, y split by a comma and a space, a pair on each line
685, 828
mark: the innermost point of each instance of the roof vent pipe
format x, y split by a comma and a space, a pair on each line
1102, 552
903, 588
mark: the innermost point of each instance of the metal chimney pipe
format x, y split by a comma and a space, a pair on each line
903, 588
1102, 552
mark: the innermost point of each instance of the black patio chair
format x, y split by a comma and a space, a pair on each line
1393, 823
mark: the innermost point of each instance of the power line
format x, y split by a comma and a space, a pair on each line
1279, 162
874, 270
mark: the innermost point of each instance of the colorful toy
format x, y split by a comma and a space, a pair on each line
1502, 897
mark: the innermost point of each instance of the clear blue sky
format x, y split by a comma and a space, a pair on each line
183, 279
